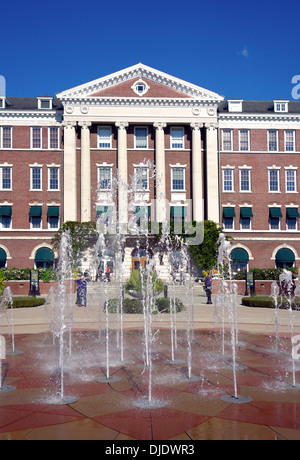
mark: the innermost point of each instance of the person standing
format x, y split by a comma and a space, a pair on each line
81, 291
208, 287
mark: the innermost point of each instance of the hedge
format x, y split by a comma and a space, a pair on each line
136, 306
268, 302
23, 302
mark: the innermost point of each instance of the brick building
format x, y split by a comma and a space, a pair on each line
232, 161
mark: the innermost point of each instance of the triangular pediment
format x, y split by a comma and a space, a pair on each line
126, 83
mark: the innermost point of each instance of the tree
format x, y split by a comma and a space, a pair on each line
205, 254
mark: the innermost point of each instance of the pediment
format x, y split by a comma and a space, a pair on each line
121, 84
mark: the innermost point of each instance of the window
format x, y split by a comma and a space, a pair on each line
178, 178
245, 180
104, 137
274, 218
273, 140
177, 138
35, 217
141, 178
5, 217
289, 140
6, 142
53, 217
244, 140
36, 138
228, 218
36, 178
228, 180
227, 139
245, 218
104, 177
292, 216
290, 180
5, 178
274, 180
2, 102
141, 138
45, 103
53, 137
53, 178
140, 87
280, 106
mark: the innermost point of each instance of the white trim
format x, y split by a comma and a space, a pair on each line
98, 137
294, 141
268, 140
37, 166
58, 178
248, 140
147, 138
178, 166
58, 138
31, 138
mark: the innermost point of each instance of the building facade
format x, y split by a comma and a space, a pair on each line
141, 142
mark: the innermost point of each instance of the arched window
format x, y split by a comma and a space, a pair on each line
44, 258
285, 258
3, 258
239, 259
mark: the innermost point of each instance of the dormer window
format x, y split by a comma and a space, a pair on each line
280, 106
2, 102
235, 105
45, 103
140, 87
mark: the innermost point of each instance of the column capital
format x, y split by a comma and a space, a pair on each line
196, 126
160, 125
69, 124
211, 126
85, 124
122, 124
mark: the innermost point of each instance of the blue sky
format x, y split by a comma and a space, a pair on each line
241, 49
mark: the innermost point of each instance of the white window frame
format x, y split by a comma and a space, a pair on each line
45, 99
104, 166
2, 102
49, 178
36, 228
172, 138
230, 131
224, 170
49, 139
233, 223
48, 222
241, 169
109, 142
247, 131
135, 137
276, 132
1, 223
291, 229
32, 167
6, 166
278, 179
147, 189
285, 140
294, 170
280, 106
32, 128
275, 229
184, 178
2, 137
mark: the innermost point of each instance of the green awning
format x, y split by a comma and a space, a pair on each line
53, 211
44, 255
246, 212
275, 212
228, 212
5, 210
178, 211
239, 255
35, 211
292, 213
285, 255
2, 255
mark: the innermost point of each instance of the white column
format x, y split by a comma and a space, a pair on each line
160, 171
212, 162
70, 179
197, 183
85, 172
122, 176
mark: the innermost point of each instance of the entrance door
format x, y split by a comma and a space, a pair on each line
140, 257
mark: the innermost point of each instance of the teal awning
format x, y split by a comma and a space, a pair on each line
53, 211
246, 212
44, 255
2, 255
239, 255
178, 211
5, 210
35, 211
285, 255
228, 212
275, 212
292, 213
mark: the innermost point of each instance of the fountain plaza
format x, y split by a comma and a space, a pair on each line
108, 394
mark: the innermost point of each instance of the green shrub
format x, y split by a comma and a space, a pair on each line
138, 284
268, 302
23, 302
136, 305
163, 304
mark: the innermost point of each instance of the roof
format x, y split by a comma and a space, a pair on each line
29, 103
260, 107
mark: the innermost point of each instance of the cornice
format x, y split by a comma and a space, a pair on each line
138, 102
263, 117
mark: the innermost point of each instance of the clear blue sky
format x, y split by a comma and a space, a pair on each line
241, 49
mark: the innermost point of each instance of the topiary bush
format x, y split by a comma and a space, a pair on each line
268, 302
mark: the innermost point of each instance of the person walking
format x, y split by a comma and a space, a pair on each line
81, 291
208, 287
